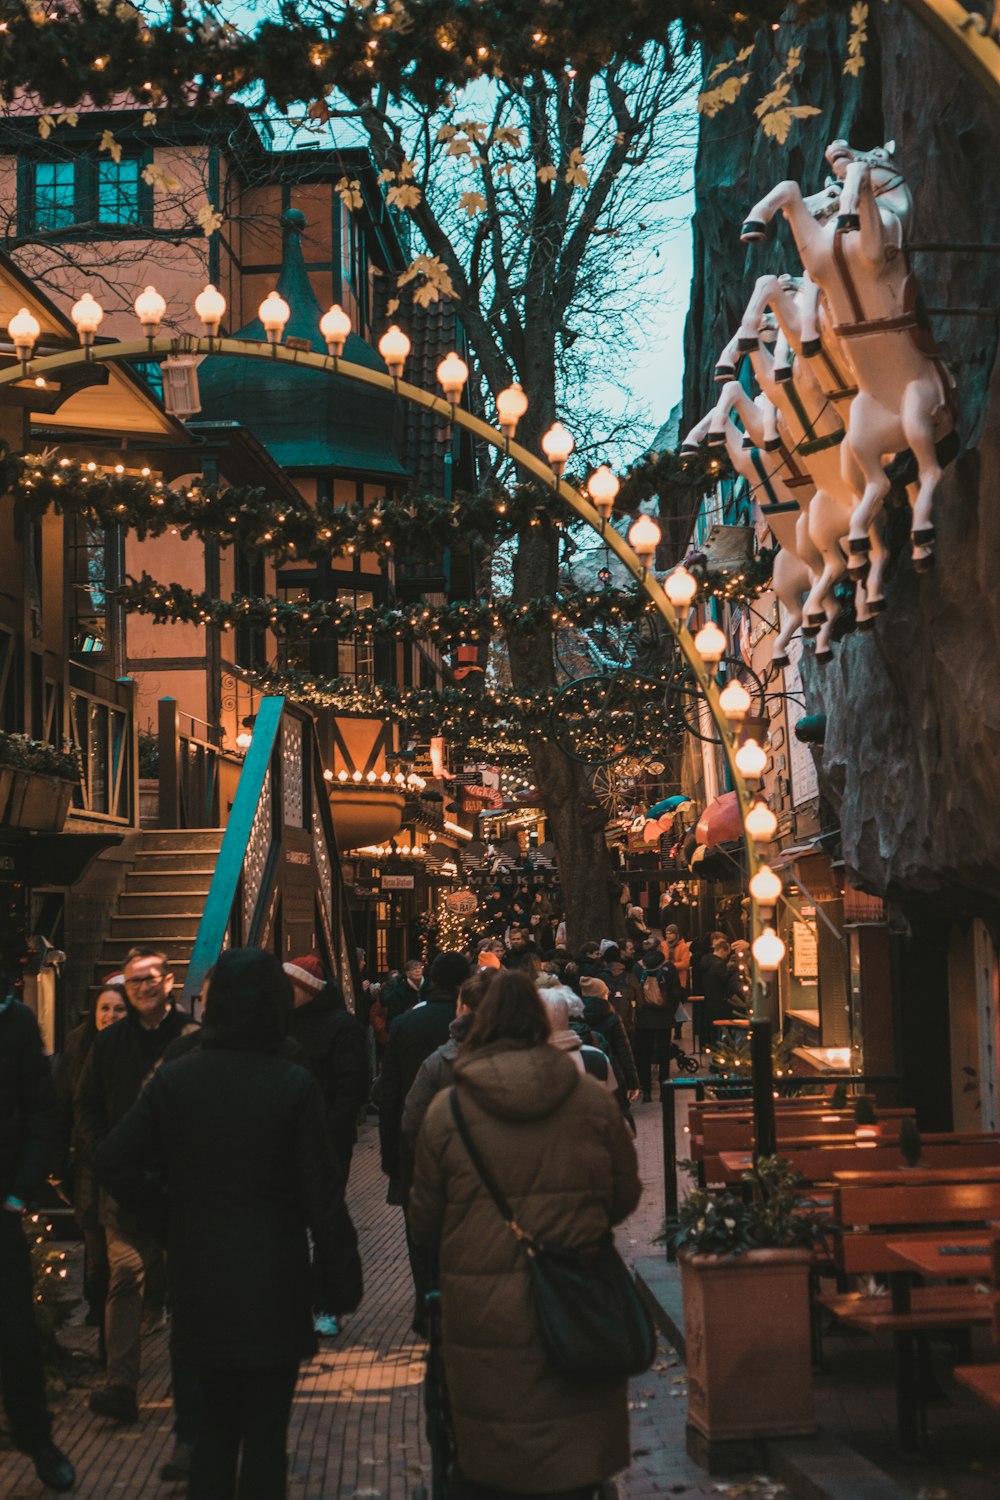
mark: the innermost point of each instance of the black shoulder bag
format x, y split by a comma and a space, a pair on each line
592, 1322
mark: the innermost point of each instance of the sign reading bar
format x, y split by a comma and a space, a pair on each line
461, 903
397, 882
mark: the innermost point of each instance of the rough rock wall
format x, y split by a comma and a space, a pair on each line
912, 754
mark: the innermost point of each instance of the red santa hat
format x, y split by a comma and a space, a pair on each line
306, 972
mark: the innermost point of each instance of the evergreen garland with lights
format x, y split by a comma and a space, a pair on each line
50, 1272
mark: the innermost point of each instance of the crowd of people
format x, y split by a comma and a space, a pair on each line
207, 1165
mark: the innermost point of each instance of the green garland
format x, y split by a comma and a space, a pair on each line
444, 624
422, 49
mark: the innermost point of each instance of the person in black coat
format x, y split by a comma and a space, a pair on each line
229, 1144
720, 982
412, 1038
336, 1048
602, 1018
27, 1130
120, 1061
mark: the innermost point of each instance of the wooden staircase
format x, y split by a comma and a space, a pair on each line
164, 897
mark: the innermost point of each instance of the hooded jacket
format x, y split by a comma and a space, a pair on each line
413, 1037
337, 1051
27, 1103
601, 1016
556, 1143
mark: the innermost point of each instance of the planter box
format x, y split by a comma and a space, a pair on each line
40, 803
149, 802
746, 1327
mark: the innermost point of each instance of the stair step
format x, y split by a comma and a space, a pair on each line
134, 926
166, 903
178, 840
164, 859
155, 882
116, 947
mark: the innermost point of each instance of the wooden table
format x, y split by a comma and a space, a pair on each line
734, 1164
922, 1253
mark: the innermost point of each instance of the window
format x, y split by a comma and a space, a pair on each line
356, 657
119, 197
55, 194
251, 640
87, 576
293, 650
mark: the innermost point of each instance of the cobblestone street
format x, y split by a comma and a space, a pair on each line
357, 1428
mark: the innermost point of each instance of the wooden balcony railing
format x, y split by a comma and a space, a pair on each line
188, 769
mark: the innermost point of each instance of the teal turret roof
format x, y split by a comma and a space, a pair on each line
306, 419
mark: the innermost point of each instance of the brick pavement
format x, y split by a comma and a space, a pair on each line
357, 1419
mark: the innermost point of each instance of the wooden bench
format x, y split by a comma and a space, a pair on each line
819, 1162
984, 1380
870, 1211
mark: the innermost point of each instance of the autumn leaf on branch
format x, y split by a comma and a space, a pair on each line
508, 135
712, 101
472, 203
459, 146
857, 39
731, 62
109, 144
546, 174
576, 173
158, 178
349, 189
404, 195
436, 282
778, 123
319, 110
209, 218
149, 119
474, 129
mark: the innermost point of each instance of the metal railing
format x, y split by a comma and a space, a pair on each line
278, 879
188, 769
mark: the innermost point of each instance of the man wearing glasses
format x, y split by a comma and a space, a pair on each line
120, 1061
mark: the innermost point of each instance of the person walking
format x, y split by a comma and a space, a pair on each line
27, 1131
557, 1001
654, 1022
602, 1018
678, 950
233, 1137
555, 1141
401, 992
624, 989
109, 1006
413, 1038
120, 1061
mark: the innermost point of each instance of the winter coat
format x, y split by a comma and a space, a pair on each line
591, 1060
398, 996
601, 1016
625, 994
79, 1166
720, 983
121, 1059
659, 1017
434, 1074
336, 1047
412, 1038
557, 1146
27, 1103
239, 1139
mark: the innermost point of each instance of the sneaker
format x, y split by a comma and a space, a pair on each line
53, 1467
178, 1466
117, 1402
326, 1325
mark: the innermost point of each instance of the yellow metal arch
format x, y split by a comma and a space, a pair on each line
163, 347
970, 37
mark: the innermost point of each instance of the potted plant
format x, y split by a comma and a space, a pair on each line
36, 782
745, 1258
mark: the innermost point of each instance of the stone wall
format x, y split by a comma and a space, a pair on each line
912, 754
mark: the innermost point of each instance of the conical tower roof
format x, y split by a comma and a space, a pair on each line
307, 420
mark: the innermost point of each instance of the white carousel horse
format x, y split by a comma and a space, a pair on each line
904, 395
794, 570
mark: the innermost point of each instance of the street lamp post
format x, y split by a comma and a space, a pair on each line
671, 600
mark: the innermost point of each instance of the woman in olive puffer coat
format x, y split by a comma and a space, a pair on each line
557, 1146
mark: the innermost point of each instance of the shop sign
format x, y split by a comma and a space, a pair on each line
468, 778
805, 957
397, 882
461, 903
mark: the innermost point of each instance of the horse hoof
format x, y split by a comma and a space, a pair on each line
810, 630
859, 545
858, 570
811, 347
715, 440
724, 372
753, 229
815, 621
748, 346
876, 606
847, 222
783, 375
771, 445
924, 536
689, 448
823, 657
780, 660
866, 625
923, 564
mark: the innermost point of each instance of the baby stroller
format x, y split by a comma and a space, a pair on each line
437, 1411
685, 1062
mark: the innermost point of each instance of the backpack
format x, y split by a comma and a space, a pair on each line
652, 992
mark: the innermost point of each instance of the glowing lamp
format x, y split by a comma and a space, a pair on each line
751, 758
734, 700
341, 775
274, 312
602, 487
765, 886
680, 587
327, 775
355, 775
710, 643
394, 348
760, 823
452, 373
24, 329
149, 309
335, 325
768, 950
88, 316
512, 404
243, 739
644, 537
210, 305
557, 445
